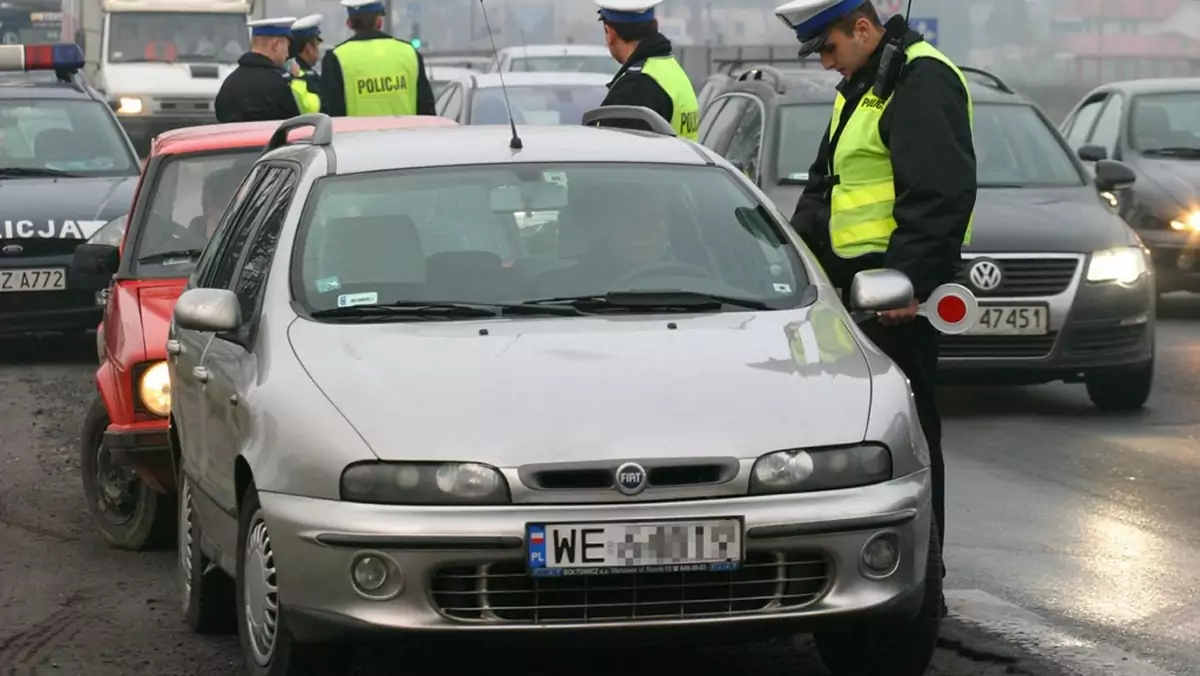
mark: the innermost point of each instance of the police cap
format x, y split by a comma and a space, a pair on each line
812, 19
307, 27
627, 11
364, 7
272, 28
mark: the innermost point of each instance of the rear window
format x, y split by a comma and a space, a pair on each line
454, 235
566, 64
549, 104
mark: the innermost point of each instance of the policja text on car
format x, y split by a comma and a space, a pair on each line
304, 49
258, 89
649, 76
373, 73
893, 184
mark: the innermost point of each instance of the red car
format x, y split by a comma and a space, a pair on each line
189, 178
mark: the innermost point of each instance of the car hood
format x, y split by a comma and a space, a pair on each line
539, 390
1170, 183
1049, 220
67, 208
162, 79
157, 303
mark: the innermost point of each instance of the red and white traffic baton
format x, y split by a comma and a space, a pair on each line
951, 309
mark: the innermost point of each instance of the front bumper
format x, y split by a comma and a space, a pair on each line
145, 448
77, 308
1093, 327
464, 568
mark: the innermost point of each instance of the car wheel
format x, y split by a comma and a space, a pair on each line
267, 644
890, 646
128, 512
207, 593
1123, 391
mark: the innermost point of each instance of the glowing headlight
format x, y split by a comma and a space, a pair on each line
1123, 265
111, 233
425, 483
1189, 221
155, 389
129, 105
821, 469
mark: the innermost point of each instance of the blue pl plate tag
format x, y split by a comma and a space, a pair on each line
536, 536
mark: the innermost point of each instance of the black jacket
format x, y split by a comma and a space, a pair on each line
256, 90
631, 87
333, 87
927, 129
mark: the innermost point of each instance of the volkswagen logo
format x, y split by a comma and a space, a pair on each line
985, 275
12, 250
631, 478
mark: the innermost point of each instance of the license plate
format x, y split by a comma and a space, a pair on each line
33, 279
1012, 320
560, 549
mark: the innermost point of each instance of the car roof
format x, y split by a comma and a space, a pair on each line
256, 134
489, 144
546, 79
42, 85
441, 73
1160, 85
556, 50
810, 85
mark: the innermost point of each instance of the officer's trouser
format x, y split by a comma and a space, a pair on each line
914, 348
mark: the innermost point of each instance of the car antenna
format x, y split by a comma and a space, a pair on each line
515, 143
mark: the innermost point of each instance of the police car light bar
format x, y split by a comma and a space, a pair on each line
61, 56
951, 309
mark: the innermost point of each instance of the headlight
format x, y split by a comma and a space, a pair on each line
1189, 221
821, 469
129, 105
425, 483
155, 389
1123, 265
111, 233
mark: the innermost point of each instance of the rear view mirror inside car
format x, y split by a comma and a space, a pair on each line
528, 196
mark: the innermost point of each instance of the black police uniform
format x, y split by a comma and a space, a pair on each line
256, 90
928, 131
333, 86
639, 89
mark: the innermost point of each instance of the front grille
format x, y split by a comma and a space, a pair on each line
665, 476
185, 105
996, 347
50, 246
1105, 340
46, 301
503, 593
1024, 277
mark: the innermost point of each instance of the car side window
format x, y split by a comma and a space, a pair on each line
252, 275
1077, 132
453, 103
706, 121
1108, 125
725, 122
215, 243
240, 229
746, 142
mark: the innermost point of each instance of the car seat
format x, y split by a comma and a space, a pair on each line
468, 276
381, 254
56, 145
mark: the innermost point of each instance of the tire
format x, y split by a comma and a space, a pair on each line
890, 646
285, 656
206, 592
129, 514
1124, 391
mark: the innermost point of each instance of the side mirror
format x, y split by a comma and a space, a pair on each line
1112, 176
97, 259
210, 310
879, 290
1092, 153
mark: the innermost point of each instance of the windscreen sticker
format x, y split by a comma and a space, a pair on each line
783, 288
327, 284
803, 176
50, 229
352, 299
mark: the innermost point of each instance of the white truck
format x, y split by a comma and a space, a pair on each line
159, 62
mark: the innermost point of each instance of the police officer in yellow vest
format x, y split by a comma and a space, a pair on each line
305, 51
893, 184
649, 75
373, 73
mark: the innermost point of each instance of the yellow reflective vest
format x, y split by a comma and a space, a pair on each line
860, 207
306, 99
668, 74
379, 76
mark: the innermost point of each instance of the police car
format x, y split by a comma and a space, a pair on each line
67, 170
1063, 282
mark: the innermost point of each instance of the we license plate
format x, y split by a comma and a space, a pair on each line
1012, 320
33, 279
560, 549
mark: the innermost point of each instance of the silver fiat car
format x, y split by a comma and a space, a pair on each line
583, 382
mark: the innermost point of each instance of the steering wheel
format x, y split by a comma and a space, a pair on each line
662, 269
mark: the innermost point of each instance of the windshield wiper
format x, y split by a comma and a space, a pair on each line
1174, 151
422, 310
164, 255
6, 172
686, 301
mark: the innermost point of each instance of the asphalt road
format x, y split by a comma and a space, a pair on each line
1087, 520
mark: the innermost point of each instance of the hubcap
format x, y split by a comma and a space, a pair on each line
185, 540
118, 488
261, 594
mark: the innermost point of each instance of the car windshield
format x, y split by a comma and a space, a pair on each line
548, 104
523, 233
190, 193
565, 64
79, 138
1014, 147
1159, 121
203, 37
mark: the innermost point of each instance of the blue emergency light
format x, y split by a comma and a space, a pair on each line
61, 57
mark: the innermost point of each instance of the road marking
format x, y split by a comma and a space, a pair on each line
1033, 633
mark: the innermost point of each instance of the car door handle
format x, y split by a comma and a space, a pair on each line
200, 374
174, 347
